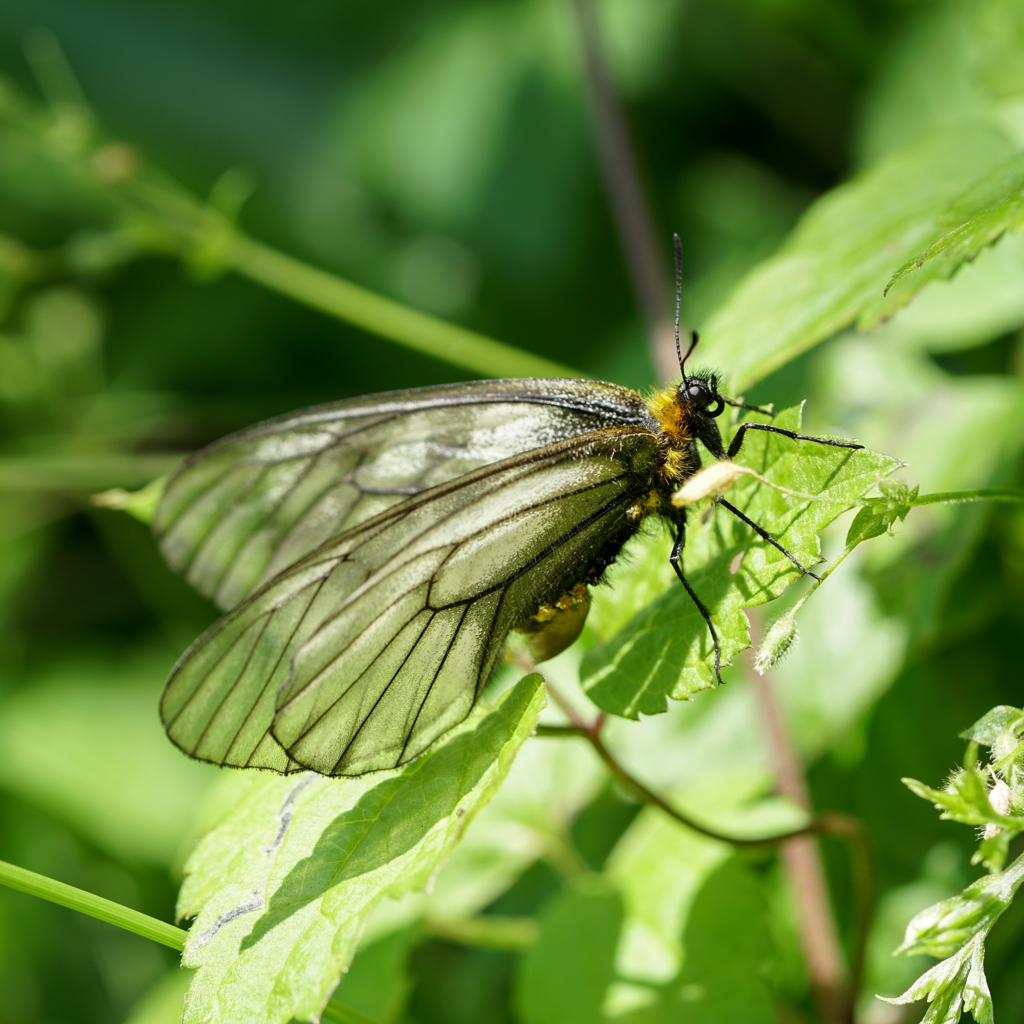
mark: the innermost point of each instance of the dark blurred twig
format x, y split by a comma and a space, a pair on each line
143, 212
626, 197
801, 860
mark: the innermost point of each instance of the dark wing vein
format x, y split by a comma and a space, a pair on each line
430, 688
503, 584
377, 643
242, 510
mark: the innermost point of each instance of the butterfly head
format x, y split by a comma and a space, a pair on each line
698, 393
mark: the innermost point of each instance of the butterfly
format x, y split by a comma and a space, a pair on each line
374, 554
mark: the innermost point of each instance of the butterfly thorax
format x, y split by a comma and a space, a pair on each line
681, 413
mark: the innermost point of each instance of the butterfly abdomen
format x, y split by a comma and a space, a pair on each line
556, 623
553, 627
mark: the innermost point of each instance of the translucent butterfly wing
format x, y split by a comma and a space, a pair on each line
243, 509
365, 652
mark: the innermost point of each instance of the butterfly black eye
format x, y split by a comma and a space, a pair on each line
698, 394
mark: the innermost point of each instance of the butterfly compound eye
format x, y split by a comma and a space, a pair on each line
697, 393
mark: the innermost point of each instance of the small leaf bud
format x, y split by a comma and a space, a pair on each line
780, 637
941, 929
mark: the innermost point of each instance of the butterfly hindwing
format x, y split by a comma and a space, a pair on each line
368, 649
245, 508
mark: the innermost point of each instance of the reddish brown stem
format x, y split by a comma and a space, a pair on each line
839, 824
801, 861
625, 193
799, 851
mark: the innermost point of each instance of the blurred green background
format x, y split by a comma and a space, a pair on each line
439, 152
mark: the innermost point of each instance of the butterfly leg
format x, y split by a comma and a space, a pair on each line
743, 405
762, 532
737, 441
677, 551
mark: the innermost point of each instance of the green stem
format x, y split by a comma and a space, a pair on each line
344, 1015
82, 472
487, 931
943, 497
95, 906
821, 579
156, 215
830, 823
124, 917
389, 319
978, 494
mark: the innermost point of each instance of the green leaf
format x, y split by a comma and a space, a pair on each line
878, 515
83, 742
284, 885
964, 799
956, 984
963, 921
994, 726
833, 269
727, 947
659, 867
967, 799
982, 214
665, 650
377, 984
565, 977
528, 818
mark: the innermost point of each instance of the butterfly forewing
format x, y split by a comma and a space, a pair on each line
366, 651
246, 508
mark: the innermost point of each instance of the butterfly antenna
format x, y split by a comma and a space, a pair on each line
678, 246
694, 338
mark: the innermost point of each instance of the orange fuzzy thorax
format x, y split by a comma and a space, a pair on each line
671, 415
666, 408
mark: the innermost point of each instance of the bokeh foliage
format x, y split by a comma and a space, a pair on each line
440, 153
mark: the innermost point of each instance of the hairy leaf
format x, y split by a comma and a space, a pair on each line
953, 985
964, 799
980, 216
996, 726
283, 886
833, 269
